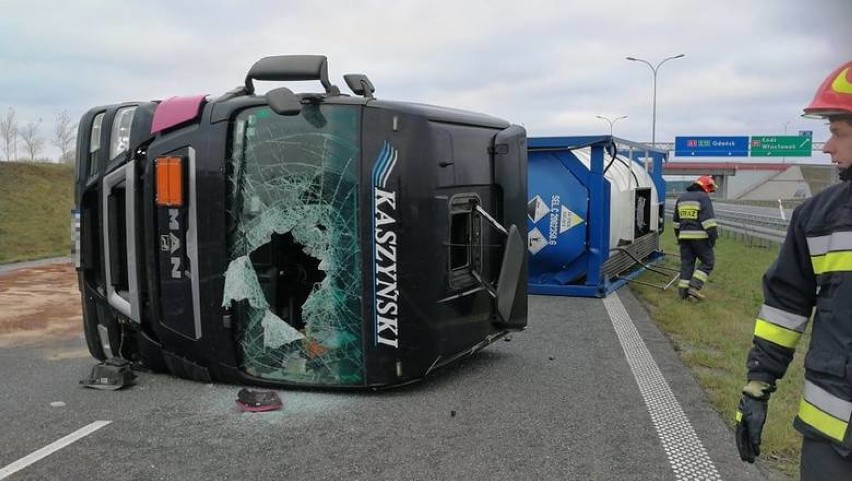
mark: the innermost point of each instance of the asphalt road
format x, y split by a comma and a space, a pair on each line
579, 395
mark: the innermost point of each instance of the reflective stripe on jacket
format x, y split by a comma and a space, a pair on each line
693, 216
813, 274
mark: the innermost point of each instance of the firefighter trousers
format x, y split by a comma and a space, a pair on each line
690, 276
822, 462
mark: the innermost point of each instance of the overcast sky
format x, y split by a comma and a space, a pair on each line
552, 66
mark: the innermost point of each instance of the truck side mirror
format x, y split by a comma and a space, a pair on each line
510, 273
359, 84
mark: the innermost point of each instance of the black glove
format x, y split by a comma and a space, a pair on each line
751, 415
712, 242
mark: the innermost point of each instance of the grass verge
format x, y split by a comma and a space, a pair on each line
713, 338
35, 210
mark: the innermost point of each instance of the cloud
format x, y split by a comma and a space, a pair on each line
550, 65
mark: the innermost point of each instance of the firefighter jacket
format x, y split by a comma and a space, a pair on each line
693, 216
813, 273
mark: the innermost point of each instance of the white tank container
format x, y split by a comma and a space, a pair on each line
625, 177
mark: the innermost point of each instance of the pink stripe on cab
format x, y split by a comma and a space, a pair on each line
176, 110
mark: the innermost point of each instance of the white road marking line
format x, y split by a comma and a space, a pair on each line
686, 454
51, 448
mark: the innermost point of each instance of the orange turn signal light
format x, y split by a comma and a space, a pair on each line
169, 181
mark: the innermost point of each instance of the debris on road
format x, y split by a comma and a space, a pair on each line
258, 401
110, 375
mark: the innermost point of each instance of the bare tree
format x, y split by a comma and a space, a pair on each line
64, 137
9, 134
29, 135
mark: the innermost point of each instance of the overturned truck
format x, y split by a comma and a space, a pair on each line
311, 239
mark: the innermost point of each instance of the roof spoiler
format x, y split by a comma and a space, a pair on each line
291, 67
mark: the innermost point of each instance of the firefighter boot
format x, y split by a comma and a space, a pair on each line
682, 294
694, 293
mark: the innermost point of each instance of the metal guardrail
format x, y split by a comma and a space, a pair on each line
748, 224
736, 216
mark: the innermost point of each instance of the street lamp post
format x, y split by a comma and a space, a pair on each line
786, 123
610, 121
654, 70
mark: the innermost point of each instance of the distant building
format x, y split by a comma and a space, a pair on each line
753, 180
795, 182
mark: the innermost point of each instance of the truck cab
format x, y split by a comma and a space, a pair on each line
299, 239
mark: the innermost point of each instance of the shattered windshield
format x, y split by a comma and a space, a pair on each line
294, 279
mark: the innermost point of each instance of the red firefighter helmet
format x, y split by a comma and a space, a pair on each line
707, 183
834, 96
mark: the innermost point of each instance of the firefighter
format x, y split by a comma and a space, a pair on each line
813, 273
696, 233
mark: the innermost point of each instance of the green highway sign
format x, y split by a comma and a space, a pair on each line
781, 146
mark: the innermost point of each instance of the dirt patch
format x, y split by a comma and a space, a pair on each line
39, 305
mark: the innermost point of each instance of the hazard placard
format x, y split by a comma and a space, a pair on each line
536, 209
535, 241
568, 219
